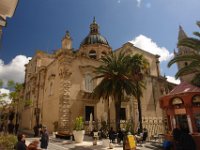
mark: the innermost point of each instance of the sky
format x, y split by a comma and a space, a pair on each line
151, 25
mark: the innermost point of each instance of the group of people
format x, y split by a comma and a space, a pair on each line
182, 140
119, 135
44, 140
11, 128
142, 136
116, 135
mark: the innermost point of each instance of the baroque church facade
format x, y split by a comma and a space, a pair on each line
60, 87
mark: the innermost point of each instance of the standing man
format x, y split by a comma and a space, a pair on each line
44, 138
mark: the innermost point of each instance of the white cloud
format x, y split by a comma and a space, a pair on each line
173, 80
5, 91
14, 70
150, 46
119, 1
138, 3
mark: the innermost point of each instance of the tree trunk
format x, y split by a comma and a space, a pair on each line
117, 115
108, 113
132, 114
139, 109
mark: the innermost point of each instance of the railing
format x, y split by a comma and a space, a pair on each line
98, 124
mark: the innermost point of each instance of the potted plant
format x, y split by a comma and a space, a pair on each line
104, 134
78, 130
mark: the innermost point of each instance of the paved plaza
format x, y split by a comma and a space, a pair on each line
87, 144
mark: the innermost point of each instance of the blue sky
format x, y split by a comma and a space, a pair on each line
150, 24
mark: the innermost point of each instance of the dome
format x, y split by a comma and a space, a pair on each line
94, 39
94, 36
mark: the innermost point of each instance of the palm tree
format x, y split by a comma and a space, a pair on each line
138, 66
14, 95
194, 66
115, 82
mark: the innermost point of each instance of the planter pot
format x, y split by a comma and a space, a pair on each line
78, 135
105, 142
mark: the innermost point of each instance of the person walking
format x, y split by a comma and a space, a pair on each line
44, 138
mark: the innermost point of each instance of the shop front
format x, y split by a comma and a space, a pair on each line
182, 107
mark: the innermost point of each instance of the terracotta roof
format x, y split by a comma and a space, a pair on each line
184, 87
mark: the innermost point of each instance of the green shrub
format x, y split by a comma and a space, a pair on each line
7, 142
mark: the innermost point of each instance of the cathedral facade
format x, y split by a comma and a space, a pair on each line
60, 87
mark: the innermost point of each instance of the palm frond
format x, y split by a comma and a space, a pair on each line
184, 58
186, 70
197, 34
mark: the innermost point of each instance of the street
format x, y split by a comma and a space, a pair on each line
87, 144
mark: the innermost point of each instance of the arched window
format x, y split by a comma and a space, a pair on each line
92, 54
103, 54
88, 83
196, 100
177, 102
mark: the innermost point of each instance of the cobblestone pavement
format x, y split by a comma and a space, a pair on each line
58, 144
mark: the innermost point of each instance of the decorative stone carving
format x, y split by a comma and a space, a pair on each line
64, 104
64, 73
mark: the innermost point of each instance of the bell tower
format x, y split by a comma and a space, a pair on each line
182, 50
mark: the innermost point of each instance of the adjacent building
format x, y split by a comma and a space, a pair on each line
182, 104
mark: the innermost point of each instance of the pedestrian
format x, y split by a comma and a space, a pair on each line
176, 136
186, 140
36, 130
145, 135
44, 138
112, 134
40, 129
11, 127
16, 128
120, 135
21, 142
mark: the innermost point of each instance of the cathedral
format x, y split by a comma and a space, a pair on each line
60, 86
